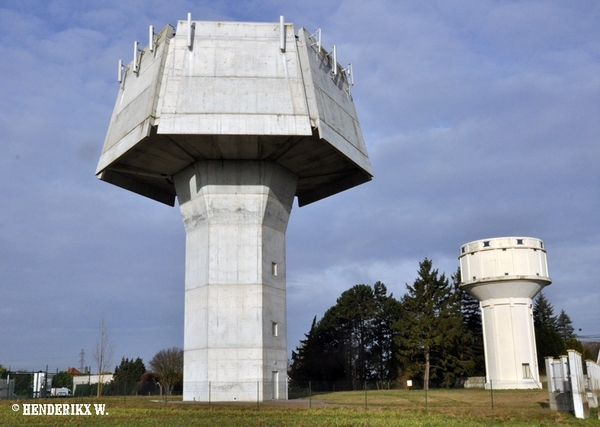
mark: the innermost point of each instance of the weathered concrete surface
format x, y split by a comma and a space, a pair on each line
234, 95
235, 214
504, 274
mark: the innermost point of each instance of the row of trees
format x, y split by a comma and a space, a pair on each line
166, 371
129, 377
166, 365
432, 334
554, 334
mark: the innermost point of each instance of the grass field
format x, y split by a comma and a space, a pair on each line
462, 408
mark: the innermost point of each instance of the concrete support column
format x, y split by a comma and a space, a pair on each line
235, 214
509, 341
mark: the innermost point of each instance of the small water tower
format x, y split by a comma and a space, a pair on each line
505, 274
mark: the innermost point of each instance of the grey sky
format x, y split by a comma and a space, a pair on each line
481, 118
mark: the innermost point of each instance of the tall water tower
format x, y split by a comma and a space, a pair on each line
505, 274
235, 120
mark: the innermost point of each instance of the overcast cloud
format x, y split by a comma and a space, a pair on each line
481, 118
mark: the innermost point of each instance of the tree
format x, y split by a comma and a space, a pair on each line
129, 372
352, 316
354, 341
548, 341
430, 326
473, 346
317, 357
564, 326
543, 313
168, 364
102, 352
383, 351
62, 379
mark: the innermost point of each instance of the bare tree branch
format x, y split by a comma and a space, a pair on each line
103, 352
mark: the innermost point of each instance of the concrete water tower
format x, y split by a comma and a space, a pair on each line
504, 274
234, 120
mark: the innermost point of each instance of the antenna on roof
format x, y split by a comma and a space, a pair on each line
281, 33
151, 38
334, 68
136, 51
120, 72
349, 74
191, 27
317, 37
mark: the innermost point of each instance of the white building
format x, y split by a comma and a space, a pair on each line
505, 274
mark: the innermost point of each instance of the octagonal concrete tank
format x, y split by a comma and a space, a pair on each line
235, 120
504, 274
234, 94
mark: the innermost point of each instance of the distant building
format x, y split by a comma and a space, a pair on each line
73, 372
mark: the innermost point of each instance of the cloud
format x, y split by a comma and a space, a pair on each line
480, 118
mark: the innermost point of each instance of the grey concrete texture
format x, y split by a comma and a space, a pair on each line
234, 94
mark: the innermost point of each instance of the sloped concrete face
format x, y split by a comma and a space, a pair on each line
235, 215
504, 274
234, 94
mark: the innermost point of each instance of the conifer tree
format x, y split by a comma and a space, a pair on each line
548, 341
564, 326
543, 313
473, 347
430, 326
354, 341
383, 348
317, 358
128, 373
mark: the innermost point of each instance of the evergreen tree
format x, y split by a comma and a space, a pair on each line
383, 349
353, 318
473, 350
430, 326
548, 341
354, 341
543, 313
128, 374
317, 357
564, 326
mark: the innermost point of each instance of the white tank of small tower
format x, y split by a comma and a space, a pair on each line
505, 274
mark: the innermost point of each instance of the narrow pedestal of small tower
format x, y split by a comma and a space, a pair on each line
235, 215
504, 274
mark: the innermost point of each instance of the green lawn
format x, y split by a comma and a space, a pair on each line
462, 408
